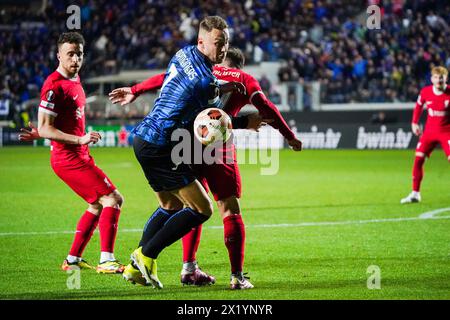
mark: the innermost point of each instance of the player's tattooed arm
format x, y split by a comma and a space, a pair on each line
251, 121
233, 86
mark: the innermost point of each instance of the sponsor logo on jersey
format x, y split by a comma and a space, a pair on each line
234, 74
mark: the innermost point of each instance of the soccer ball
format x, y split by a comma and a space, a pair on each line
212, 125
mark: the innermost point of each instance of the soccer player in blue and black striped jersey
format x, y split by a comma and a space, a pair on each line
188, 88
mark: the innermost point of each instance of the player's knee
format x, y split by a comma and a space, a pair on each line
228, 206
206, 208
114, 200
420, 154
171, 205
119, 199
95, 208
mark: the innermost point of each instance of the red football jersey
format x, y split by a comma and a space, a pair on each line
233, 101
437, 105
65, 99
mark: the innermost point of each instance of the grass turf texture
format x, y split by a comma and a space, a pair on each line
318, 261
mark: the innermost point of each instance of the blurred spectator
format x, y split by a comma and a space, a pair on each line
381, 118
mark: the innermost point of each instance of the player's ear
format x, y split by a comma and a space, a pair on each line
200, 41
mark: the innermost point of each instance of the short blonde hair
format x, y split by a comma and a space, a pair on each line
213, 22
441, 71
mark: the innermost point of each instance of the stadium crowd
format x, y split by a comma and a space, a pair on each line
324, 41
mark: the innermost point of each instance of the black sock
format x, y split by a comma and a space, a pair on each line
174, 229
154, 223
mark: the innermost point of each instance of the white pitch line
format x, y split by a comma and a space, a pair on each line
430, 215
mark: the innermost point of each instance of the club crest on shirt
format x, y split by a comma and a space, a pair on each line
50, 95
446, 103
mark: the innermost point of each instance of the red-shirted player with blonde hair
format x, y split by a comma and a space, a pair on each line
61, 119
223, 179
435, 98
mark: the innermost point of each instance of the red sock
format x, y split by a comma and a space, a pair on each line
109, 219
234, 236
85, 228
191, 242
418, 173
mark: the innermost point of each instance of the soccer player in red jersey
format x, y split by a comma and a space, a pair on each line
223, 179
435, 98
61, 119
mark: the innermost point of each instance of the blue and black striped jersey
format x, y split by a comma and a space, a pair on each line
189, 87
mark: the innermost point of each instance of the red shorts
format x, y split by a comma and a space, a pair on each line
429, 140
223, 179
84, 177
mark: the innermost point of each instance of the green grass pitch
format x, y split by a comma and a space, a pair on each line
313, 230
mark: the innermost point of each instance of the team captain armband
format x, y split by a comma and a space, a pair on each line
47, 104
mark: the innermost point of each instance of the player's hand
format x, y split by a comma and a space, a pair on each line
255, 121
122, 95
29, 135
416, 129
295, 144
233, 86
90, 137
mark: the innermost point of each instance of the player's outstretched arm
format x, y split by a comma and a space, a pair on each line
256, 121
126, 95
123, 96
47, 130
269, 110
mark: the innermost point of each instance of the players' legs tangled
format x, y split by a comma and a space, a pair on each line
167, 225
198, 208
234, 238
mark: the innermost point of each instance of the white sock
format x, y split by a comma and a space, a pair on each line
415, 194
73, 259
106, 256
190, 266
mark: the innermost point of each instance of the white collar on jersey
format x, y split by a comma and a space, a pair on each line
61, 72
437, 91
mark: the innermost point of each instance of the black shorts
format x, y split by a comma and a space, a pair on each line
161, 173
